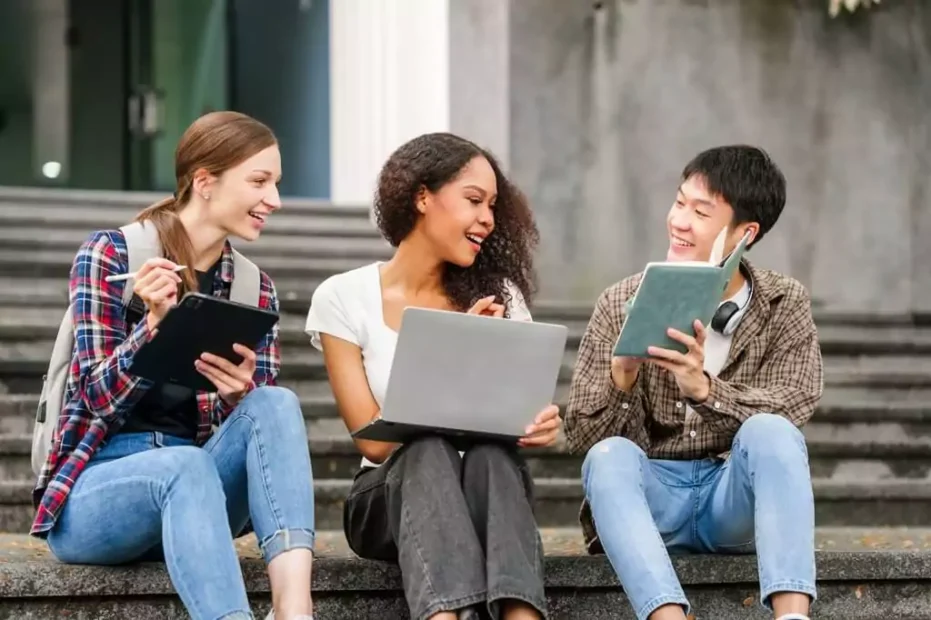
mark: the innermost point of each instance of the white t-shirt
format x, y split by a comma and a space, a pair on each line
349, 306
717, 345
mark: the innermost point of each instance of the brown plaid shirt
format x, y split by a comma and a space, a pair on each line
774, 366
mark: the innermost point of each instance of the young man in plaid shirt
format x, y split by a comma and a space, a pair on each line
702, 451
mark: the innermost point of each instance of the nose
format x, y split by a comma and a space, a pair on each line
486, 217
273, 198
680, 219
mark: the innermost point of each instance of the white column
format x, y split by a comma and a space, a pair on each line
389, 82
51, 91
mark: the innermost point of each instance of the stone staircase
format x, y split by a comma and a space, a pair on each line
869, 443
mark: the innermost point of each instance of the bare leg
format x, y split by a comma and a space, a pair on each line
519, 610
289, 574
790, 603
668, 612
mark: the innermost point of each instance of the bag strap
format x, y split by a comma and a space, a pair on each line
141, 244
247, 281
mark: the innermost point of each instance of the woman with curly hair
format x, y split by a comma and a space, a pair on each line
460, 526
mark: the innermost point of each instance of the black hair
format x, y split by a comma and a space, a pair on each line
431, 161
747, 178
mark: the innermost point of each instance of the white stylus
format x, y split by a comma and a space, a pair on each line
129, 276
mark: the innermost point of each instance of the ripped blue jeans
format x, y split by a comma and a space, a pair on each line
147, 496
760, 499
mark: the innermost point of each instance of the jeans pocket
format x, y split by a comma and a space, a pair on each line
366, 525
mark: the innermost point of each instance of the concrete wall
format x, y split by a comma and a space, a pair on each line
607, 104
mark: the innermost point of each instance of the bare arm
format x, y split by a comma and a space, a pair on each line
354, 400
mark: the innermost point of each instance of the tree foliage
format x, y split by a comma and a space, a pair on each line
836, 6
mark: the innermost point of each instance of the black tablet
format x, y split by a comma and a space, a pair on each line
200, 324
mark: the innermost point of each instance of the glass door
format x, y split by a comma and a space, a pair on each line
178, 62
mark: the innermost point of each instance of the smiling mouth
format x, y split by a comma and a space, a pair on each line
258, 216
475, 239
681, 243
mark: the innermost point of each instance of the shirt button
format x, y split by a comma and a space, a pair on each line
692, 434
678, 404
625, 406
717, 405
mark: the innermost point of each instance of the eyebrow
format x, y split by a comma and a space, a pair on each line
476, 188
268, 172
707, 203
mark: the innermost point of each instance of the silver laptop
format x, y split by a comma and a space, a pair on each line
467, 376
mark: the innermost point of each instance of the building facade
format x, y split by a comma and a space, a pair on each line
592, 106
96, 94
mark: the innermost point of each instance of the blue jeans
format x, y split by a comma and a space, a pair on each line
760, 499
149, 495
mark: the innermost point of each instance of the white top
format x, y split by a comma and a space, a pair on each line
717, 345
349, 306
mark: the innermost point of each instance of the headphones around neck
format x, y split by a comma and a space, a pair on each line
728, 315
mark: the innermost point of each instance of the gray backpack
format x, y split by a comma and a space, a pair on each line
141, 244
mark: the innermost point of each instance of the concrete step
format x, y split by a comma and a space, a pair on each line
885, 503
38, 322
22, 364
360, 248
95, 210
327, 224
863, 574
860, 452
18, 291
56, 264
840, 407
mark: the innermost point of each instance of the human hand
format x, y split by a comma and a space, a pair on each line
544, 430
232, 381
487, 306
156, 284
688, 368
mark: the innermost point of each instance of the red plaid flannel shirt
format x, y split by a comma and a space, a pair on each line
100, 392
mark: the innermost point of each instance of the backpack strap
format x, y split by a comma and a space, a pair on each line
247, 281
141, 244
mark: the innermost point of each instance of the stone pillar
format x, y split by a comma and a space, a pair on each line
389, 82
479, 69
51, 121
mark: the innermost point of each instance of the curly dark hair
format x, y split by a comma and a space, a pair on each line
431, 161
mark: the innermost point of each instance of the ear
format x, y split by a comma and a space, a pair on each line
202, 183
754, 229
421, 200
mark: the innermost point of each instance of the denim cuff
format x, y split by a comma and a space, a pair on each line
777, 587
238, 615
495, 598
644, 612
453, 604
285, 540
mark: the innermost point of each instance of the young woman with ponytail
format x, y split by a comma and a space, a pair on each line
136, 470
